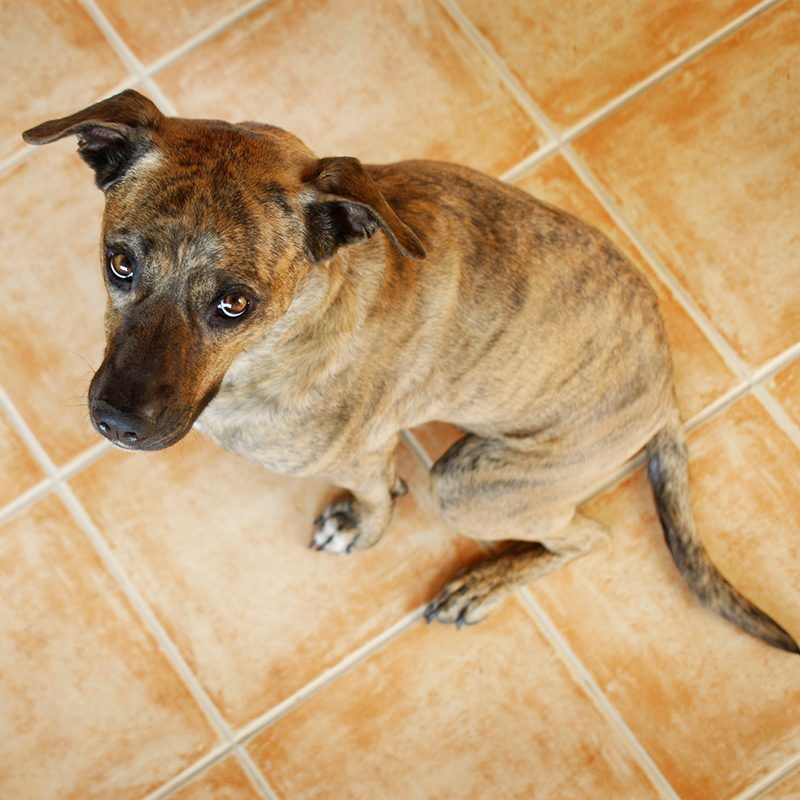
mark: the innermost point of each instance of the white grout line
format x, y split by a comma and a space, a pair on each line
256, 726
115, 40
255, 774
512, 84
191, 772
26, 499
237, 742
779, 416
198, 39
416, 448
529, 163
84, 459
668, 69
584, 678
169, 648
23, 154
768, 781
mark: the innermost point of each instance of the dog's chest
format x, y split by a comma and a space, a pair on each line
301, 439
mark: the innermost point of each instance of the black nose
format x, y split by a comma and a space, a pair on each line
120, 426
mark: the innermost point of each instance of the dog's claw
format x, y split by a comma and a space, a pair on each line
400, 489
458, 604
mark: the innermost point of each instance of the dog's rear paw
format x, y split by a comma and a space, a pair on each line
336, 529
464, 601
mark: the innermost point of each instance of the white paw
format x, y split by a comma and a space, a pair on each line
336, 531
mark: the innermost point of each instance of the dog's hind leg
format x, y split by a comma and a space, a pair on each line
358, 520
489, 490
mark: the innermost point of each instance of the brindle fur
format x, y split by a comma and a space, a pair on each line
385, 297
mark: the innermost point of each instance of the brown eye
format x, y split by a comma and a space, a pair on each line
121, 266
233, 305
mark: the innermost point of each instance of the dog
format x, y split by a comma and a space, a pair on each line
303, 311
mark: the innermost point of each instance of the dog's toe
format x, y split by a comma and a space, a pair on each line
462, 602
337, 531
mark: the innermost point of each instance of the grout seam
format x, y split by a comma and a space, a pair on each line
191, 772
779, 416
324, 679
770, 780
417, 448
236, 743
199, 39
590, 686
254, 773
671, 67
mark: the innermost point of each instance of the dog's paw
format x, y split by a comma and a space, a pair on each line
336, 529
464, 601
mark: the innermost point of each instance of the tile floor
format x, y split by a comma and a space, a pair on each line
163, 630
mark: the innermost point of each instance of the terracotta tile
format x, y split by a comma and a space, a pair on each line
714, 707
17, 466
787, 789
89, 708
54, 60
786, 387
573, 58
152, 28
50, 277
701, 376
486, 712
381, 81
713, 184
224, 781
436, 437
219, 548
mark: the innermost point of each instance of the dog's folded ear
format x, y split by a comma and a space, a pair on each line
346, 207
112, 134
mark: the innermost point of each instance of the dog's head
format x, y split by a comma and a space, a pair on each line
209, 230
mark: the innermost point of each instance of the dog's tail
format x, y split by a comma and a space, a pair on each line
667, 456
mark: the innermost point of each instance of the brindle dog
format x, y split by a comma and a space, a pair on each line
302, 311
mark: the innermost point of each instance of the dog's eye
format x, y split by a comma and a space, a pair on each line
121, 266
234, 304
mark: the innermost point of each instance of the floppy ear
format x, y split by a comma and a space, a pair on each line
347, 207
112, 134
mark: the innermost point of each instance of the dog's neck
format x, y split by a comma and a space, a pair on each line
323, 329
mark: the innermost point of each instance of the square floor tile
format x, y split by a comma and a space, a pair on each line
224, 781
575, 57
51, 336
218, 546
716, 708
701, 376
152, 28
381, 81
89, 707
706, 167
485, 712
54, 60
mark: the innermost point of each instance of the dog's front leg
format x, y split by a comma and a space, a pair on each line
358, 520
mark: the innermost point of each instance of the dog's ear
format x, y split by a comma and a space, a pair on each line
111, 134
347, 206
